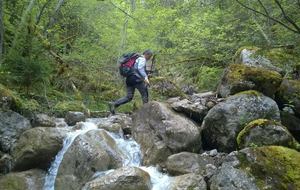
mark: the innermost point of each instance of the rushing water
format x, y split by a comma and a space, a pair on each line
131, 157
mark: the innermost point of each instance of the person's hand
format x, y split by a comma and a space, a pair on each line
147, 82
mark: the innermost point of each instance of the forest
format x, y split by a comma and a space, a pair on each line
62, 54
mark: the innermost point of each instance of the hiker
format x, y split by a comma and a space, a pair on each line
137, 79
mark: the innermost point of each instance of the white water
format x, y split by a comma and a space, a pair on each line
131, 157
51, 176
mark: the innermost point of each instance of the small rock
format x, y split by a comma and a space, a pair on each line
73, 117
187, 182
213, 152
6, 162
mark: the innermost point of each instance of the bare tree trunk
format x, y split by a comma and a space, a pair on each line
1, 31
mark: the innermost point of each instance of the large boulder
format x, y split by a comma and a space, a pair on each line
224, 121
263, 132
188, 182
43, 120
269, 167
195, 111
186, 162
126, 178
12, 125
37, 147
73, 117
27, 180
164, 87
161, 132
238, 77
251, 57
93, 151
289, 94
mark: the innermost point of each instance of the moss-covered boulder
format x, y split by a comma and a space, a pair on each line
164, 88
224, 121
28, 180
265, 132
268, 167
61, 108
9, 99
239, 77
273, 167
289, 94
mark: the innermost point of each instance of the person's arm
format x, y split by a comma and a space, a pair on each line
141, 67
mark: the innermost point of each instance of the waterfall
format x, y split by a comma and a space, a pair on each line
51, 176
131, 156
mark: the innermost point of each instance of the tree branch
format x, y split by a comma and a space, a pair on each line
274, 19
123, 11
39, 16
287, 17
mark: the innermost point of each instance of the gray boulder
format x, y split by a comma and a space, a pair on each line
12, 125
250, 57
188, 182
195, 111
37, 147
43, 120
224, 121
186, 162
264, 132
161, 132
116, 123
73, 117
126, 178
93, 151
27, 180
292, 123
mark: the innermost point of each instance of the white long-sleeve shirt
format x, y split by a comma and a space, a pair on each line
140, 66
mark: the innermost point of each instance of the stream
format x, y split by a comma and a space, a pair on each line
131, 157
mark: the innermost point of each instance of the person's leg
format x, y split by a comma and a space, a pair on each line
127, 98
143, 89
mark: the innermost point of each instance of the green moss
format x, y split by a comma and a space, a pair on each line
250, 92
265, 81
274, 167
61, 108
11, 182
255, 123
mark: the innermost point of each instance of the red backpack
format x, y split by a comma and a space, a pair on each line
127, 62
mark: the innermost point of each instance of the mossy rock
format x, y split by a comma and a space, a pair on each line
9, 99
289, 95
238, 78
162, 86
262, 132
236, 57
273, 167
61, 108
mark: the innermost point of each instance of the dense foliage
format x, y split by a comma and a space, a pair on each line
59, 51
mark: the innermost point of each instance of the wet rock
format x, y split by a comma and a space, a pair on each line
250, 57
224, 121
37, 147
188, 182
292, 123
195, 111
186, 162
6, 162
116, 123
126, 178
28, 180
93, 151
238, 78
12, 125
161, 132
263, 132
288, 94
73, 117
268, 167
43, 120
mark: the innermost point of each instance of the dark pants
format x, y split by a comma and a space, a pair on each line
131, 85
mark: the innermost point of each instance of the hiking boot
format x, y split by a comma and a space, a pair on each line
112, 108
